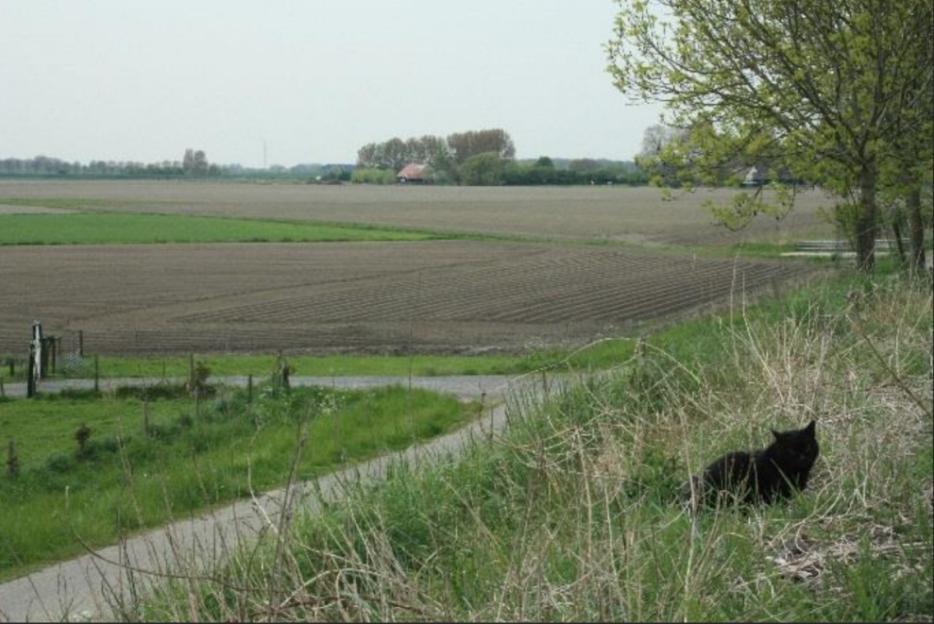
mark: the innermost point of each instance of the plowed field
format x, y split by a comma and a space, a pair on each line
638, 215
423, 296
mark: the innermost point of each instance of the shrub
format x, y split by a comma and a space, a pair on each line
82, 435
95, 448
373, 176
72, 394
167, 431
12, 461
483, 170
198, 383
152, 393
59, 462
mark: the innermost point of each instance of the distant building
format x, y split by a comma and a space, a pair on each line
413, 173
759, 176
755, 177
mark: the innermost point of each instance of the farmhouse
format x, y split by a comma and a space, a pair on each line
413, 173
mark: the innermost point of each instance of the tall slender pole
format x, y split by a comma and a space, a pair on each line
30, 373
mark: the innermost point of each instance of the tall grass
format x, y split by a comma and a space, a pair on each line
574, 513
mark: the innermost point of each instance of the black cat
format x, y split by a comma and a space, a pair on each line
760, 476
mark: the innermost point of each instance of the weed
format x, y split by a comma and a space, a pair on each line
82, 434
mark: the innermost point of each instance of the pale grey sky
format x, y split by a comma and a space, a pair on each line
134, 80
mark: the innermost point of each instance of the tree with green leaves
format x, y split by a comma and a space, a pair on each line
396, 153
484, 169
827, 90
465, 145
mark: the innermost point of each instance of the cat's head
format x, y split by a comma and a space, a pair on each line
797, 446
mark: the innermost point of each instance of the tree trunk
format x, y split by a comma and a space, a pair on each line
916, 226
866, 220
897, 233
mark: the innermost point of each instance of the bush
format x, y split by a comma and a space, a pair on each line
373, 176
72, 394
485, 169
152, 393
93, 449
59, 462
198, 382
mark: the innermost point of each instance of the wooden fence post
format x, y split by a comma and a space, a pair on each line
39, 353
30, 373
43, 358
249, 388
80, 343
97, 386
2, 390
482, 406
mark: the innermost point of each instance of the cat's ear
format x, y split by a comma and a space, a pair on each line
810, 428
777, 434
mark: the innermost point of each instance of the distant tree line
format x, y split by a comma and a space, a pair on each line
194, 164
44, 166
483, 157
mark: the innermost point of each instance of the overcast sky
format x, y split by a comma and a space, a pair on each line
134, 80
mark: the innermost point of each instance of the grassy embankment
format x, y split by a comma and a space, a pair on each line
189, 456
575, 514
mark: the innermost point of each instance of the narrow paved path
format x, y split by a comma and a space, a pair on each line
463, 386
86, 586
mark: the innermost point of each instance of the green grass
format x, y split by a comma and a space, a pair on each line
126, 228
575, 513
307, 365
190, 458
259, 365
603, 354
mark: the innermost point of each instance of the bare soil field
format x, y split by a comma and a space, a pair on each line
400, 296
638, 215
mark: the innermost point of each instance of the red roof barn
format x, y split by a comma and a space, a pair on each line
412, 172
